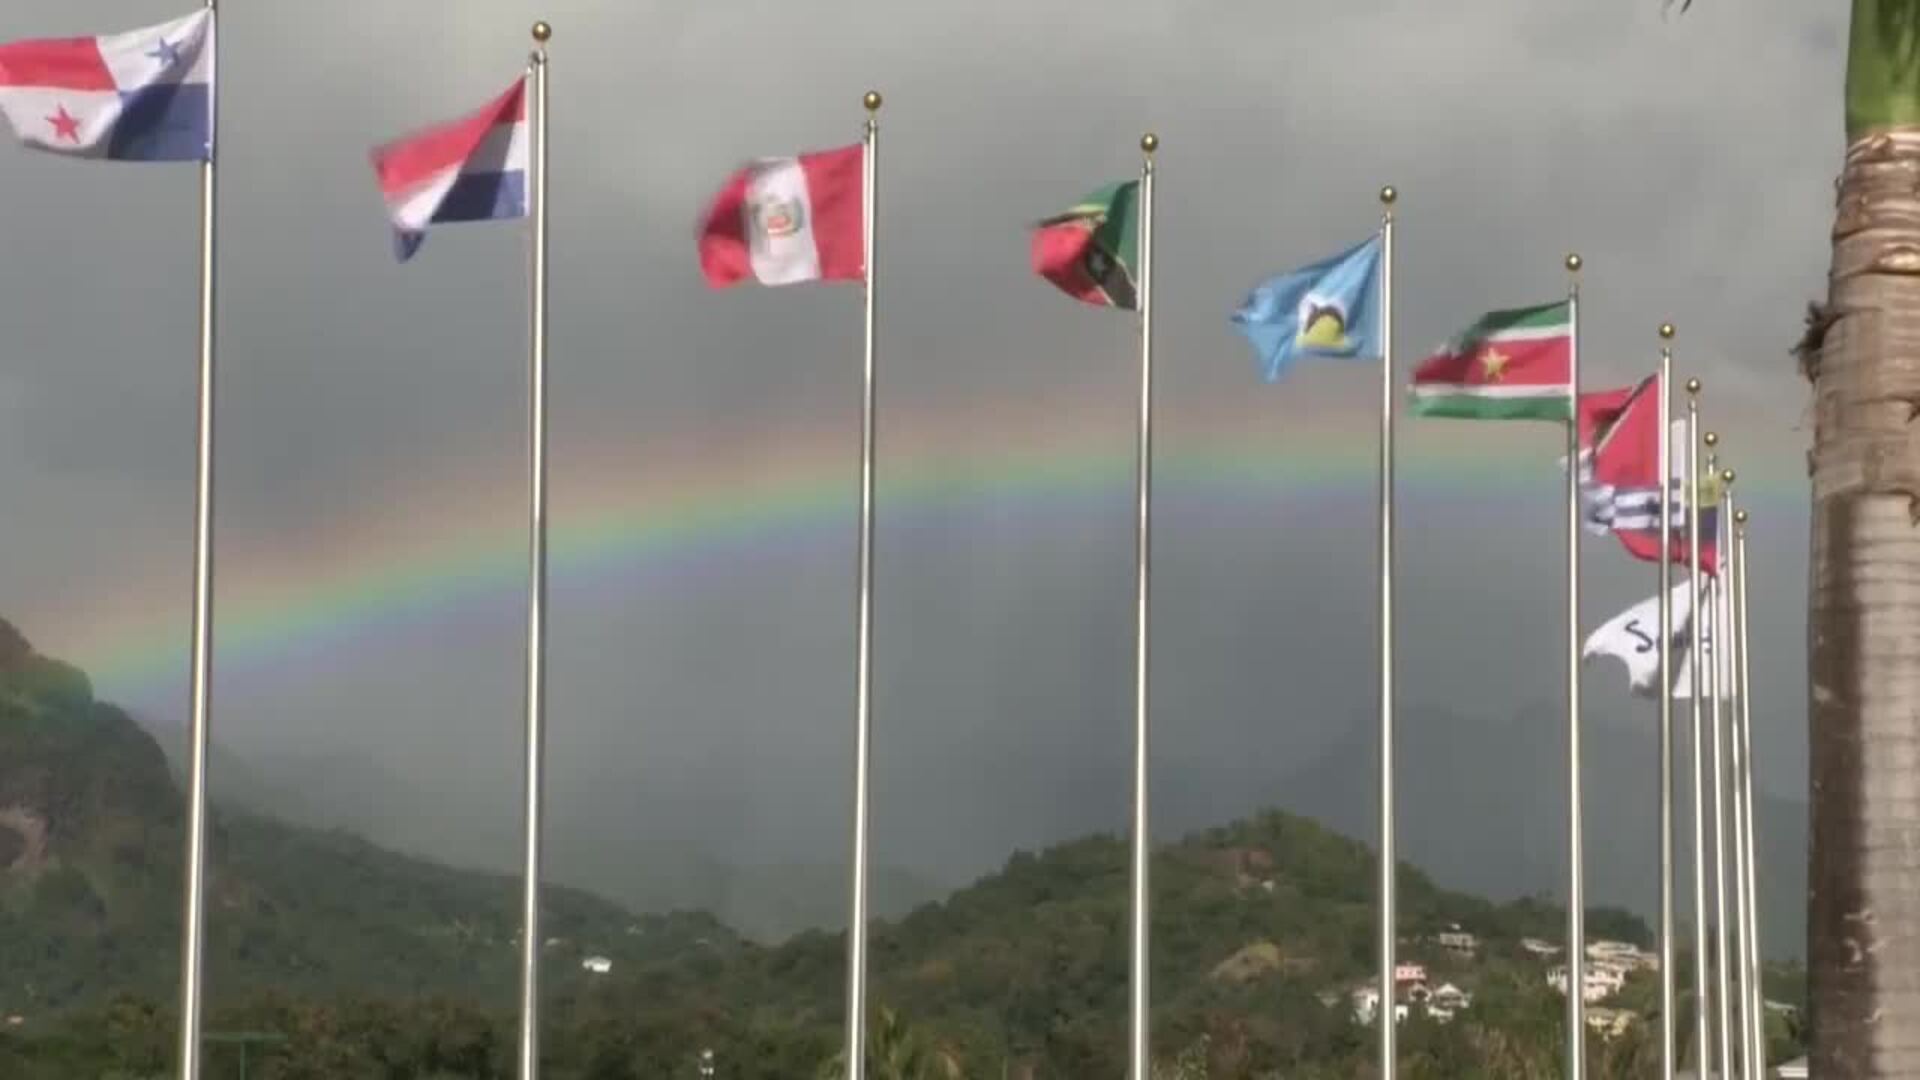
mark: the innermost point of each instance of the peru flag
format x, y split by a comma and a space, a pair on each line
780, 221
471, 169
146, 95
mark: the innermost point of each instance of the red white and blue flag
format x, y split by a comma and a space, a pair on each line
1620, 476
472, 169
146, 95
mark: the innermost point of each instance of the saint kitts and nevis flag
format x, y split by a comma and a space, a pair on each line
1509, 365
1090, 250
145, 95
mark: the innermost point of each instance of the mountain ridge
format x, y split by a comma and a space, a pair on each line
91, 851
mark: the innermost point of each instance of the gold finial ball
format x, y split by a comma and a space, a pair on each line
1149, 143
872, 101
1711, 439
1388, 195
1574, 263
1727, 476
542, 31
1666, 331
1739, 517
1693, 386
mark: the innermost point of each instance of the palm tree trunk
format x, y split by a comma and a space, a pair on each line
1862, 353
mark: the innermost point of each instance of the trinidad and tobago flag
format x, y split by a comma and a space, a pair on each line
1620, 476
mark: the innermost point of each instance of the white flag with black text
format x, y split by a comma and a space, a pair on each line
1633, 638
1713, 630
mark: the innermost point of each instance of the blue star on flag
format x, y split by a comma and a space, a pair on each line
167, 53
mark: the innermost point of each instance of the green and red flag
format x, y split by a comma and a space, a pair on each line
1509, 365
1091, 250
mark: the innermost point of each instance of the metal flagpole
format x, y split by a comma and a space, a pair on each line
1702, 1032
1723, 992
1141, 1063
1756, 989
1576, 881
1384, 1016
194, 919
1667, 1059
536, 734
1736, 765
855, 1048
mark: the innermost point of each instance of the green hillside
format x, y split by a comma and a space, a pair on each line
358, 962
1261, 928
91, 849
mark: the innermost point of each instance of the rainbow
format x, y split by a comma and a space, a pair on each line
633, 514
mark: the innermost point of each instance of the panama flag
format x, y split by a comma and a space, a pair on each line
146, 95
780, 221
472, 169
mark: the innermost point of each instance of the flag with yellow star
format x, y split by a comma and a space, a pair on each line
1508, 365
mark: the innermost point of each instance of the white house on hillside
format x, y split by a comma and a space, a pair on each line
1597, 985
1541, 949
1455, 940
1609, 1022
1624, 953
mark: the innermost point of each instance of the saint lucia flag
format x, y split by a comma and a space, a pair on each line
1329, 310
146, 95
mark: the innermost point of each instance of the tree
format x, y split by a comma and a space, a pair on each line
1861, 352
896, 1051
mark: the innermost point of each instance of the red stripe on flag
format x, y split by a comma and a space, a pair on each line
65, 64
1599, 410
836, 185
1538, 362
1628, 454
1059, 255
724, 258
412, 160
1645, 546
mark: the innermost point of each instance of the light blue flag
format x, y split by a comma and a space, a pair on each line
1329, 310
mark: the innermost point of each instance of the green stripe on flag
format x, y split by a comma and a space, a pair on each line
1493, 402
1522, 324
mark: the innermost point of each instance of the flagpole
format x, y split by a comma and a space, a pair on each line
1667, 1058
1138, 982
1756, 988
1723, 1003
1736, 764
855, 1048
536, 688
1702, 1032
194, 919
1576, 879
1384, 1017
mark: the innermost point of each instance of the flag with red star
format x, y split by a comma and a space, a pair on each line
145, 95
1509, 365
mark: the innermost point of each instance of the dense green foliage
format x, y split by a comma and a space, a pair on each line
91, 848
337, 959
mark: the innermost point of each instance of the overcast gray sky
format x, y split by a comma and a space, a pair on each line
708, 701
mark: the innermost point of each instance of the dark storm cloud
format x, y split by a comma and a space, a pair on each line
1688, 159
